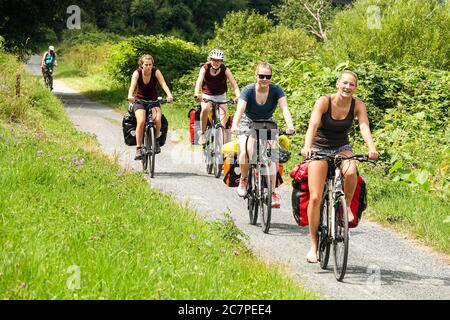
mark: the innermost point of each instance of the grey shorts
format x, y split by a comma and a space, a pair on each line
244, 123
332, 151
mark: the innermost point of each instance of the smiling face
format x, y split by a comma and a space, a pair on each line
263, 76
346, 85
216, 63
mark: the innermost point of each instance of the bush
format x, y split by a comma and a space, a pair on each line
174, 57
392, 31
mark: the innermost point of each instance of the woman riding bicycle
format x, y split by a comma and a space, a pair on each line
212, 80
258, 101
327, 133
145, 78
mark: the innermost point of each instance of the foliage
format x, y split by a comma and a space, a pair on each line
394, 31
172, 56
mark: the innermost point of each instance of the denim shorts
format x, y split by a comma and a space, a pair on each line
332, 151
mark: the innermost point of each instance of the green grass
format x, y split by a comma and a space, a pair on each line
425, 216
74, 225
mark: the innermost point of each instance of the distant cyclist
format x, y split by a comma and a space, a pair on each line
145, 79
49, 60
259, 101
212, 81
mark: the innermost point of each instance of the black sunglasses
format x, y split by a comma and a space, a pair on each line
264, 76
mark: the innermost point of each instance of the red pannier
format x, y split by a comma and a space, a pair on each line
300, 196
300, 193
194, 124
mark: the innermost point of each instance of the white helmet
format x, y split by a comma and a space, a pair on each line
217, 54
51, 48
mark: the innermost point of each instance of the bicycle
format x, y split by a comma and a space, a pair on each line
48, 77
259, 193
148, 159
215, 139
333, 226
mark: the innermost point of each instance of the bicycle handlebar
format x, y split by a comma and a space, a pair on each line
151, 102
230, 101
338, 157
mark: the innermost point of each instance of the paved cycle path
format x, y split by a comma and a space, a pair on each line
382, 264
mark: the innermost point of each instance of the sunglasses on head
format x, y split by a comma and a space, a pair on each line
264, 76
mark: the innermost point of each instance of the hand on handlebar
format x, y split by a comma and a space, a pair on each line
306, 152
131, 99
290, 131
373, 154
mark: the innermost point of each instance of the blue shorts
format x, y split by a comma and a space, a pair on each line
332, 151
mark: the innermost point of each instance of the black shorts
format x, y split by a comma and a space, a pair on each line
136, 106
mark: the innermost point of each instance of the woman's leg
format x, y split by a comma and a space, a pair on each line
206, 108
317, 173
140, 122
156, 115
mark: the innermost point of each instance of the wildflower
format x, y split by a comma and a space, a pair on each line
193, 236
81, 162
24, 285
236, 253
74, 160
40, 152
61, 158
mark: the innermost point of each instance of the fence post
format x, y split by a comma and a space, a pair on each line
18, 85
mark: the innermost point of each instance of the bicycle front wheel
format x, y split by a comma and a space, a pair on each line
265, 199
209, 150
252, 199
152, 154
217, 154
340, 241
323, 235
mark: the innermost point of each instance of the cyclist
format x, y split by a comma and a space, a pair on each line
212, 80
327, 133
145, 79
49, 60
258, 101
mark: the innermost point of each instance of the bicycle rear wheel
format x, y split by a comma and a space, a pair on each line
252, 199
324, 243
265, 198
340, 241
217, 155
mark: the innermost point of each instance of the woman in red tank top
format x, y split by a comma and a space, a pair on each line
212, 80
145, 79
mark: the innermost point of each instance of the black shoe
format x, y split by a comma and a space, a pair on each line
157, 147
139, 154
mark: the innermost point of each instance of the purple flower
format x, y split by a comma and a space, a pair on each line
24, 285
74, 160
193, 236
39, 152
81, 162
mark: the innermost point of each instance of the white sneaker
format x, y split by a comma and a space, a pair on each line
242, 188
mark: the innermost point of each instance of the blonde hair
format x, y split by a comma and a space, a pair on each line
263, 65
348, 72
145, 57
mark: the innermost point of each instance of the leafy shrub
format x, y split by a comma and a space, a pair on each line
174, 57
393, 31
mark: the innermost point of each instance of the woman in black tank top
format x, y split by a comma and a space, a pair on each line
331, 118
